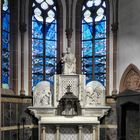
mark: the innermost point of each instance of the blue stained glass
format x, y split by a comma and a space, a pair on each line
50, 62
5, 56
37, 61
5, 64
101, 60
87, 31
50, 70
5, 44
37, 47
5, 49
51, 53
51, 48
5, 5
44, 42
100, 47
101, 77
51, 31
87, 61
88, 69
100, 30
37, 69
50, 45
37, 29
94, 41
87, 52
49, 78
88, 78
86, 44
5, 22
5, 39
5, 78
100, 69
36, 78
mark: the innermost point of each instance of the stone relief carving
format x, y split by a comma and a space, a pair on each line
68, 63
95, 94
132, 80
42, 94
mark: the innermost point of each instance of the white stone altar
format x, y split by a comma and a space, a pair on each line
69, 88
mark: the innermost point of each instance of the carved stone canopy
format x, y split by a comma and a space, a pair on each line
69, 104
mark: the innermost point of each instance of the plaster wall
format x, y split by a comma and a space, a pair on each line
128, 36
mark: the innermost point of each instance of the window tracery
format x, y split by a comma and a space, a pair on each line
5, 44
94, 40
44, 40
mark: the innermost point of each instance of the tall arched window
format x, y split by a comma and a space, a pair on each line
94, 40
5, 44
9, 46
44, 40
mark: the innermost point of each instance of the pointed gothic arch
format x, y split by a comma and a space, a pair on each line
130, 78
9, 46
52, 40
94, 62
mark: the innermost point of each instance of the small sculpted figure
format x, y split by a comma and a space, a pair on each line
69, 63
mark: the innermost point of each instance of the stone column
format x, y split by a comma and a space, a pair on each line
93, 132
0, 66
43, 133
57, 132
115, 41
39, 131
98, 131
23, 29
80, 132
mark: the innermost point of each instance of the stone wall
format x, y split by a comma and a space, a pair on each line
128, 36
108, 127
17, 124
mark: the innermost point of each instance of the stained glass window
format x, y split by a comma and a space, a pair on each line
5, 44
94, 40
44, 40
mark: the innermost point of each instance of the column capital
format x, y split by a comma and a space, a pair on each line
57, 127
80, 126
43, 128
93, 127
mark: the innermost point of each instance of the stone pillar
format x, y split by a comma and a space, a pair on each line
93, 132
0, 67
23, 29
43, 133
98, 131
39, 131
57, 133
115, 40
80, 132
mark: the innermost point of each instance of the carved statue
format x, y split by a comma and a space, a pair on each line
69, 63
42, 94
69, 110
